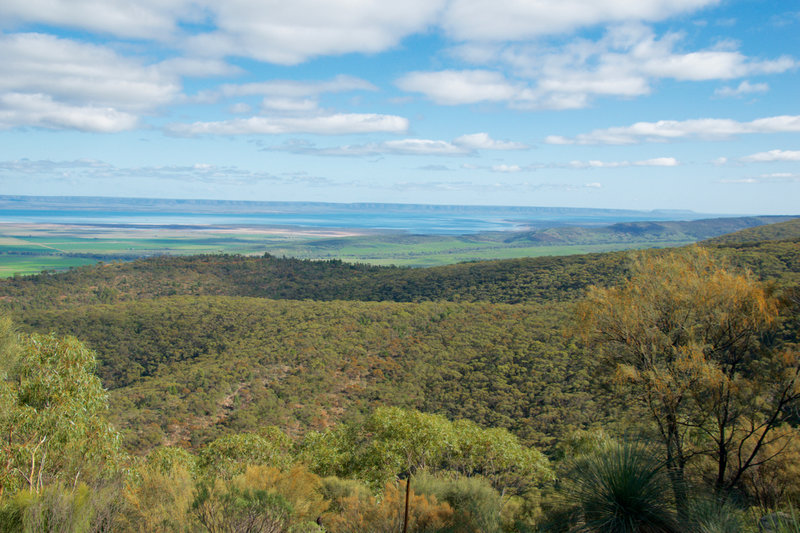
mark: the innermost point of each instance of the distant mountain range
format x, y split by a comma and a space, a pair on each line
8, 202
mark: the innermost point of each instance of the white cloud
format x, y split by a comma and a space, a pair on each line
506, 168
773, 155
656, 162
743, 88
149, 19
58, 83
422, 147
269, 30
669, 130
40, 110
625, 63
293, 105
288, 33
503, 20
298, 89
336, 124
463, 145
452, 87
482, 141
291, 32
713, 65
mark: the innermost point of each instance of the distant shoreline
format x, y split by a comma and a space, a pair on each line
232, 229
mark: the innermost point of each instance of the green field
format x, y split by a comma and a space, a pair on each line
21, 265
31, 248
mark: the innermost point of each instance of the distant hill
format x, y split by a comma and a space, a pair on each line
542, 279
780, 231
652, 231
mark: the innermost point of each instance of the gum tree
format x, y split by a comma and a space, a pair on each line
53, 425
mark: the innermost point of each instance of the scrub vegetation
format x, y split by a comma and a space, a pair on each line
654, 390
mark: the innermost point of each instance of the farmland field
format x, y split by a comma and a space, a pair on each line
31, 248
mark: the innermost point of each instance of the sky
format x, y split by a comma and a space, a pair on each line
646, 104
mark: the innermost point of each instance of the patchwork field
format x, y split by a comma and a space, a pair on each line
32, 248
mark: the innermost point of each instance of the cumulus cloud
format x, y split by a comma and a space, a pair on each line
482, 141
503, 20
625, 63
289, 33
452, 87
41, 111
291, 105
267, 30
283, 33
671, 130
148, 19
59, 83
335, 124
773, 155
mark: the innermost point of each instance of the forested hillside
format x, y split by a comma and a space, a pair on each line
650, 231
541, 279
788, 230
220, 364
201, 354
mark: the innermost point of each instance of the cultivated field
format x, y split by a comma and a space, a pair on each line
32, 248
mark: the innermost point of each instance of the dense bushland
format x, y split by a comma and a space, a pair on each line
268, 394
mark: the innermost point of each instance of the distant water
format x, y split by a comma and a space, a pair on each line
405, 218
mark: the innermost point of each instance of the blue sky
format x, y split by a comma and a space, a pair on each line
653, 104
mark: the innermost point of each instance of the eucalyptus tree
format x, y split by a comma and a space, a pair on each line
53, 407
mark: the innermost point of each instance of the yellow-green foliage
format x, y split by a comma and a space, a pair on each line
261, 497
776, 482
301, 488
362, 513
689, 338
393, 441
53, 417
230, 456
158, 499
476, 505
54, 508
